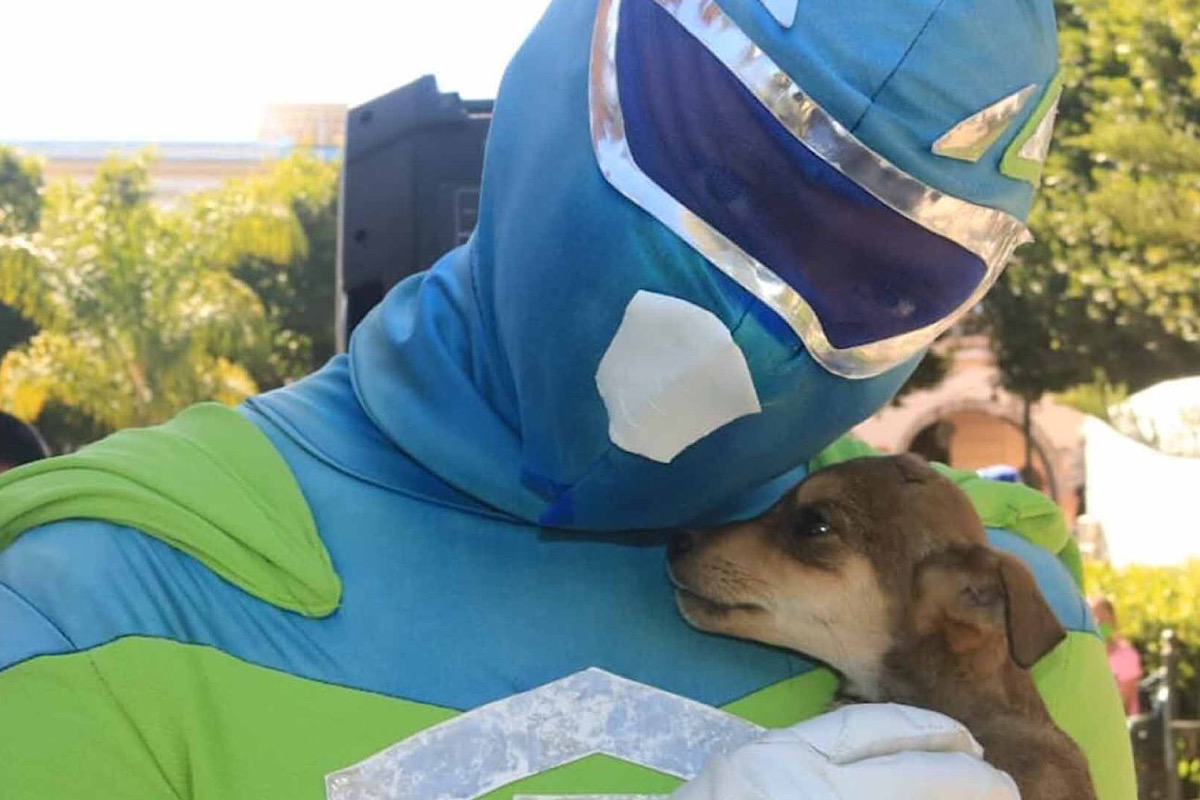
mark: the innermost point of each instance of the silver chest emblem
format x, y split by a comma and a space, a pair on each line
589, 713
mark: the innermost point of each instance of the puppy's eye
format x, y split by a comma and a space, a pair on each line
811, 522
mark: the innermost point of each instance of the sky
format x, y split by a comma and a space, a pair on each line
161, 70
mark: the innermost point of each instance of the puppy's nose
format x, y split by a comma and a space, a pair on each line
680, 543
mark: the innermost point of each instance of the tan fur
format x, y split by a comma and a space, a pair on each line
898, 591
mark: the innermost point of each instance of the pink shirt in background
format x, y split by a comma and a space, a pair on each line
1126, 666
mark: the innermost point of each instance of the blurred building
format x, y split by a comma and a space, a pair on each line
183, 167
315, 125
969, 421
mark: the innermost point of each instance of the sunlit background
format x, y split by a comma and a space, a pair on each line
135, 70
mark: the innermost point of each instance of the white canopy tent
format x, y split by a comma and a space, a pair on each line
1143, 476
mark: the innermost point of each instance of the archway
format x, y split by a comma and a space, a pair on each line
971, 436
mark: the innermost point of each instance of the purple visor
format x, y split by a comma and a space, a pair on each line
864, 272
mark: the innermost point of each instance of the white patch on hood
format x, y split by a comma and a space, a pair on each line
671, 376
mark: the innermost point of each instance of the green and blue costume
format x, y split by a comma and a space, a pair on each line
466, 507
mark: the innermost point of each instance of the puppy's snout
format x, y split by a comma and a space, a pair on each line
680, 544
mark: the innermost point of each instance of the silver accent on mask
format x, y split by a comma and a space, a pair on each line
1037, 146
589, 713
975, 135
784, 11
989, 233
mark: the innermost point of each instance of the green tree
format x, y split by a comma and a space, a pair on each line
20, 212
1113, 282
297, 293
137, 309
20, 192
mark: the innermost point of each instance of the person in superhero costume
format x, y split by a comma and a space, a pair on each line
714, 235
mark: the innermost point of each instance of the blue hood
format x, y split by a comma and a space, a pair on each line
483, 369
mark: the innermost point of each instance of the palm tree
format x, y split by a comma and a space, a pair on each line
138, 313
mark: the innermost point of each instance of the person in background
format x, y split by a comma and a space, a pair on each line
1122, 656
19, 443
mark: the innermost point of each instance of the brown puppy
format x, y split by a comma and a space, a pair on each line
880, 567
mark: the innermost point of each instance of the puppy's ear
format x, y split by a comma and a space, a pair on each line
960, 596
976, 595
1033, 630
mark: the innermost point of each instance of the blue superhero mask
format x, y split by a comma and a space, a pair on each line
693, 122
590, 361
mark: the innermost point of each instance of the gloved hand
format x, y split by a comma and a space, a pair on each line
853, 753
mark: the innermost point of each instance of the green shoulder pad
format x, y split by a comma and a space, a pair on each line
208, 483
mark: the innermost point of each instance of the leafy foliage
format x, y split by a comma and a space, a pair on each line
20, 211
1112, 281
298, 293
138, 312
122, 312
20, 192
1150, 600
1097, 397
